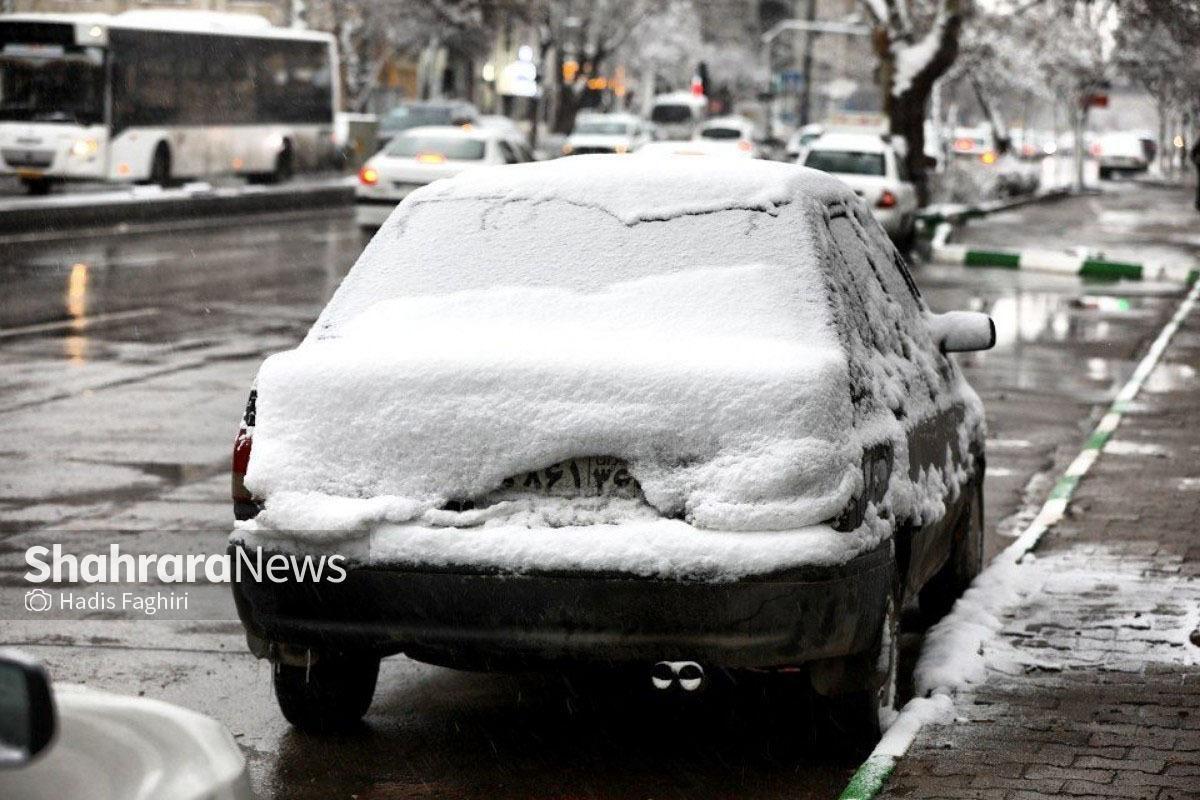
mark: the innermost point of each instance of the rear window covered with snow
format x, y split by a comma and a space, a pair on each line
486, 332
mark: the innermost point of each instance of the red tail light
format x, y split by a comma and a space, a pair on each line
744, 145
368, 176
886, 200
243, 501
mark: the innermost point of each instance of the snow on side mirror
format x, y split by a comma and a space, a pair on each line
962, 331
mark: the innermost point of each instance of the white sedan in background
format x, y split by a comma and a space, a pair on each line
732, 132
871, 167
607, 133
422, 155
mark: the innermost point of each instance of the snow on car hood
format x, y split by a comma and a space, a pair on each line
724, 389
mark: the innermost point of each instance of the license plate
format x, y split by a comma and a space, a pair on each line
30, 174
591, 476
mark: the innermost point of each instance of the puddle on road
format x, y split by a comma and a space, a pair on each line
1168, 377
1122, 447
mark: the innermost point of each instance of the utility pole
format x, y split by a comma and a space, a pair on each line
810, 14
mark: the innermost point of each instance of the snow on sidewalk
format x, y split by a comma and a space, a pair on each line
1092, 687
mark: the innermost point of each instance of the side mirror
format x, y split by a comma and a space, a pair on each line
27, 719
962, 331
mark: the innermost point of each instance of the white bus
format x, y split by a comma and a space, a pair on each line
155, 96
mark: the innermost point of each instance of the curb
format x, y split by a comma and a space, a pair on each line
1062, 263
82, 211
934, 218
870, 778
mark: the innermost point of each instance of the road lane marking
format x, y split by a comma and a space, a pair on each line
77, 324
871, 777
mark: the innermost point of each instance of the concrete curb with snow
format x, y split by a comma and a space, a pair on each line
1059, 262
50, 215
951, 656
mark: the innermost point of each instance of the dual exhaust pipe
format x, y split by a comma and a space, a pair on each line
687, 675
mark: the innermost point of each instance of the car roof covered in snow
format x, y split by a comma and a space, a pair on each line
634, 192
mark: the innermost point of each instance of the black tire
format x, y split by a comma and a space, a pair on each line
1105, 173
285, 167
861, 717
966, 559
36, 187
160, 167
330, 694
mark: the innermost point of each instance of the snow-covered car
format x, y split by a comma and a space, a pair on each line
695, 147
582, 412
422, 155
607, 133
1120, 152
424, 114
732, 132
871, 167
69, 741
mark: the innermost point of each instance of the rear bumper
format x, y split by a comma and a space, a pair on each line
500, 620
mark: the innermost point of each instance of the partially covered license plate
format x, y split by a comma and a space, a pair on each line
590, 476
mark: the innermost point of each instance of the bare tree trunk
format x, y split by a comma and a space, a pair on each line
906, 109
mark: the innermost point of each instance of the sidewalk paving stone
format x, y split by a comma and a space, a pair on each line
1093, 685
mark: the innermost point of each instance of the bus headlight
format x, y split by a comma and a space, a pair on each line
85, 148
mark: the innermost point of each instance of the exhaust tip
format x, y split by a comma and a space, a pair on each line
662, 675
691, 676
687, 674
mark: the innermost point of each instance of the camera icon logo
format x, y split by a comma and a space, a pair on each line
38, 600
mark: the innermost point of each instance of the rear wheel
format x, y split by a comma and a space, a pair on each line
966, 560
331, 692
160, 166
36, 186
285, 167
862, 716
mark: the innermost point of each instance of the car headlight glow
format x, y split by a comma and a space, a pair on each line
85, 148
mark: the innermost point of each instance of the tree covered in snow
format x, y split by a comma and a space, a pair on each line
579, 39
916, 42
370, 32
1158, 47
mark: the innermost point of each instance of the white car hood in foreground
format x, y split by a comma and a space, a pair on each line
113, 747
737, 421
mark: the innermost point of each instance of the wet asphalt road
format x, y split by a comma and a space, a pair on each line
124, 364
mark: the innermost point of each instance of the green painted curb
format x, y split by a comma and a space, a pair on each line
869, 778
992, 258
1112, 270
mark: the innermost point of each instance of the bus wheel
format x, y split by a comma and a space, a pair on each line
36, 186
284, 165
160, 167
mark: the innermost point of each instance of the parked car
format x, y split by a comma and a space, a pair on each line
731, 131
423, 114
581, 412
1119, 152
678, 114
799, 141
871, 167
72, 742
607, 133
422, 155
